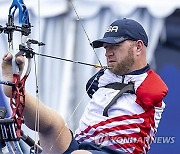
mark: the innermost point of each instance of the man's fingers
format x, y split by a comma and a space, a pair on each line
7, 58
7, 61
20, 62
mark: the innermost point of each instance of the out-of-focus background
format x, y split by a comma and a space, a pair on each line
62, 84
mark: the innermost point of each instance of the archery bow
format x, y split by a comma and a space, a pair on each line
11, 127
18, 84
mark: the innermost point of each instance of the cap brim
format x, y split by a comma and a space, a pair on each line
110, 40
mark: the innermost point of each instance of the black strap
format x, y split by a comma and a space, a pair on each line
124, 88
117, 85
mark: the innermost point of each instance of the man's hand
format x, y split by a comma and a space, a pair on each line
7, 74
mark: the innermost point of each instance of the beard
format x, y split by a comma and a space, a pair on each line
125, 66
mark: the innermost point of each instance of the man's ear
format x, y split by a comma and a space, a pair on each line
139, 46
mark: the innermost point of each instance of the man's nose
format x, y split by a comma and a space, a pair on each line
109, 52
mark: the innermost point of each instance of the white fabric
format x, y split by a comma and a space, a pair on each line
158, 9
89, 8
93, 123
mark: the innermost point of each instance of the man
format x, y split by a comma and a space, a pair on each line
126, 100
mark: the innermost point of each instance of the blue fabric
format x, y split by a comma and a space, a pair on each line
92, 84
93, 148
97, 149
121, 30
73, 145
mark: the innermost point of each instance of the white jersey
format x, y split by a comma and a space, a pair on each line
133, 119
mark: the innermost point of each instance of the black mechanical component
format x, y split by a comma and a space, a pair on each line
27, 51
1, 29
36, 42
3, 112
10, 28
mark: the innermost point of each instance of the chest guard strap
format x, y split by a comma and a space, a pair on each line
124, 88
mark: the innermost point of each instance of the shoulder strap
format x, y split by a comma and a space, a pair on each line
124, 88
117, 85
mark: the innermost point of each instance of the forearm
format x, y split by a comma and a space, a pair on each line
53, 129
47, 116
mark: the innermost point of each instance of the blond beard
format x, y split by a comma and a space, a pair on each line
124, 67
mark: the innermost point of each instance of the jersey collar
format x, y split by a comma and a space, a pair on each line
140, 71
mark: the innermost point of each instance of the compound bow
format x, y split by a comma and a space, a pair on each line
11, 131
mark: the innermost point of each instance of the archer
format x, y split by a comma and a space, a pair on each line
126, 100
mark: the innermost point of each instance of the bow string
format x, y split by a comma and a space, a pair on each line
100, 66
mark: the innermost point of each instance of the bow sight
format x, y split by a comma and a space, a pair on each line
25, 30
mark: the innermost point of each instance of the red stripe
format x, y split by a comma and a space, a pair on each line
141, 141
144, 131
143, 126
139, 136
119, 118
